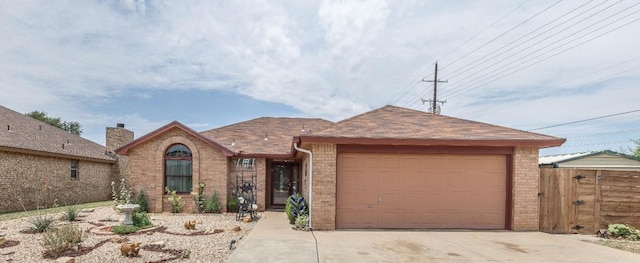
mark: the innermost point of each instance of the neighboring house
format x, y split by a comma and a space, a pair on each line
388, 168
42, 166
601, 160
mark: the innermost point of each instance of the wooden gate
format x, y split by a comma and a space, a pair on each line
583, 201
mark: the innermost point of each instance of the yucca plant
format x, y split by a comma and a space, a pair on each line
71, 213
40, 224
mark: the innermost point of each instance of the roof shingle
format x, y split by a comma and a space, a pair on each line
248, 137
20, 132
391, 122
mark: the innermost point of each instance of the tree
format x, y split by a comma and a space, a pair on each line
72, 127
635, 150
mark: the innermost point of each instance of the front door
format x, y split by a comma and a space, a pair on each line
284, 182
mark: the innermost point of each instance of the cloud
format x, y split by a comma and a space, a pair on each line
329, 59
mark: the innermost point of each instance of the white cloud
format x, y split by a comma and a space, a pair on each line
331, 59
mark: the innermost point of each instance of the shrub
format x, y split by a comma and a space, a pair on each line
70, 213
213, 204
124, 196
40, 224
297, 206
232, 204
199, 198
141, 219
302, 222
174, 200
124, 229
142, 201
624, 231
65, 238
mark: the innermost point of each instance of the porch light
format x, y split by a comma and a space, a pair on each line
233, 142
266, 136
302, 128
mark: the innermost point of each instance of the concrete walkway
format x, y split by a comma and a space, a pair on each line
273, 240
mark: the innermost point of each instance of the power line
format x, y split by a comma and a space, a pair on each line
526, 35
585, 120
504, 33
483, 30
495, 78
547, 46
539, 91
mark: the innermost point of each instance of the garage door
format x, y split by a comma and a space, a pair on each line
420, 191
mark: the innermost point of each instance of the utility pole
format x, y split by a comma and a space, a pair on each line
435, 101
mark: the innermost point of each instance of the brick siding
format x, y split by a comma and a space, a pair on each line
146, 169
35, 180
525, 189
324, 186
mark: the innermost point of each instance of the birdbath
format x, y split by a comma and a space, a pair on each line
128, 209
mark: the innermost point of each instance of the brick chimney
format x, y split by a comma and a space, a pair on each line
117, 137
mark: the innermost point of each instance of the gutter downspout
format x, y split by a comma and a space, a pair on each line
295, 146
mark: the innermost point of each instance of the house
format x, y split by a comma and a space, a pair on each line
387, 168
42, 166
597, 160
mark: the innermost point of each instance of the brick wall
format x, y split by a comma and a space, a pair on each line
525, 189
146, 169
324, 186
34, 180
117, 137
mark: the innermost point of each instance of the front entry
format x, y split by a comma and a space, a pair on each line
284, 182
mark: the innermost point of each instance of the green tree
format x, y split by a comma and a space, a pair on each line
68, 126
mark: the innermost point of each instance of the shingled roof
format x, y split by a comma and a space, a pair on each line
20, 133
395, 125
248, 137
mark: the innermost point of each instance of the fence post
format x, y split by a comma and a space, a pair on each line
597, 200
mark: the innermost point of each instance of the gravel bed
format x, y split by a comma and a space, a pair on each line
205, 247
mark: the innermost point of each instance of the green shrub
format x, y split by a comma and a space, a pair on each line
287, 210
213, 204
40, 224
141, 200
297, 206
302, 222
624, 231
232, 204
174, 200
65, 238
141, 219
71, 213
124, 229
199, 198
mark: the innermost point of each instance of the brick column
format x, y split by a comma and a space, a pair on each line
324, 186
526, 176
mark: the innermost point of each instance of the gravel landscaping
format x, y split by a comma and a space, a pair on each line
168, 242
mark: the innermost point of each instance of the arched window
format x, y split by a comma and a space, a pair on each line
178, 168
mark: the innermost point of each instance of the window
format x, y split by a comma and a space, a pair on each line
178, 168
74, 170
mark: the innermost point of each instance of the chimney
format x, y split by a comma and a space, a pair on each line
117, 137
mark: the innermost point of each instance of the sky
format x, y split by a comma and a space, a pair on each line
519, 64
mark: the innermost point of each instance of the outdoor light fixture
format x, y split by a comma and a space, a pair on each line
233, 142
266, 136
302, 128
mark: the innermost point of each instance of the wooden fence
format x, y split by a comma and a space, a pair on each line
583, 201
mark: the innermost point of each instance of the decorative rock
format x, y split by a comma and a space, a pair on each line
119, 239
66, 260
199, 222
247, 219
7, 253
87, 210
2, 241
236, 229
158, 244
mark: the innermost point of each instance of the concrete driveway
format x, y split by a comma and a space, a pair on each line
273, 240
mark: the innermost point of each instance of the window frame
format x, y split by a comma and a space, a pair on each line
167, 157
74, 172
